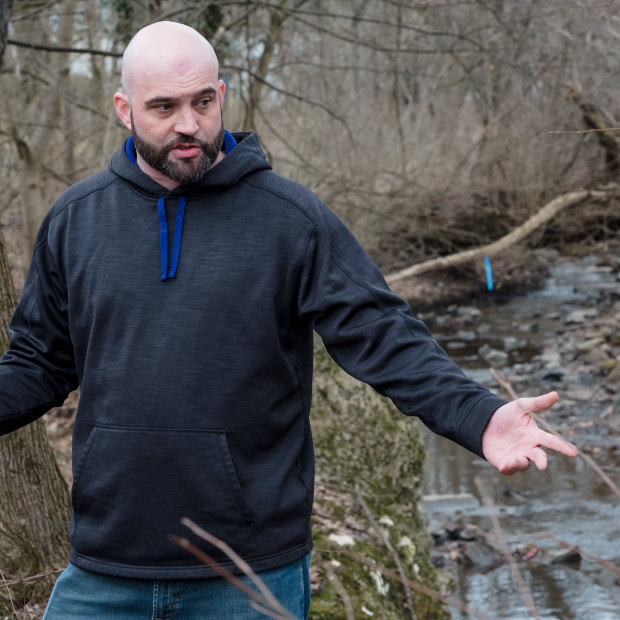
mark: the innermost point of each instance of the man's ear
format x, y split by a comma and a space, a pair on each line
123, 109
221, 91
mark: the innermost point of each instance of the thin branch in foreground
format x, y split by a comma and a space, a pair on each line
488, 502
6, 585
32, 578
549, 535
584, 554
585, 457
342, 593
387, 543
256, 600
418, 587
239, 562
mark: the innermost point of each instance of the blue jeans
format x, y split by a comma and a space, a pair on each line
79, 594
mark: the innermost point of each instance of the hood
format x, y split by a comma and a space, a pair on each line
243, 156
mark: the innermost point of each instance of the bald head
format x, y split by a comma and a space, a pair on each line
166, 50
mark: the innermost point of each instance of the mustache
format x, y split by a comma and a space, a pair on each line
185, 139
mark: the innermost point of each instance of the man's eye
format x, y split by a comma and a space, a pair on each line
203, 103
163, 107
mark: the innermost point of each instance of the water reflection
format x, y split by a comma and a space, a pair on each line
568, 500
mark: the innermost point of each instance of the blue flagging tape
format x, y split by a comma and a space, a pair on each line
487, 266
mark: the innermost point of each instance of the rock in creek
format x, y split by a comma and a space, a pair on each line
492, 356
473, 547
582, 315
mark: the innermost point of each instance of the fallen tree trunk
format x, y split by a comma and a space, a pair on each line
547, 212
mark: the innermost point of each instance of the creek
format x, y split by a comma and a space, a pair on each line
539, 341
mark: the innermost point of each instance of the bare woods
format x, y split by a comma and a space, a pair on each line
430, 128
424, 125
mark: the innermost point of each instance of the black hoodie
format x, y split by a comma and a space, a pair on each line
195, 364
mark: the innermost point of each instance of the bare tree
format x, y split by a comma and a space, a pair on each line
34, 499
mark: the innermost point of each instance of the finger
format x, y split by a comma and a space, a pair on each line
539, 458
538, 403
512, 466
548, 440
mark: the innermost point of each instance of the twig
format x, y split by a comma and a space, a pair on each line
418, 587
9, 593
257, 601
239, 562
32, 578
587, 130
387, 543
488, 502
292, 95
344, 595
63, 50
585, 457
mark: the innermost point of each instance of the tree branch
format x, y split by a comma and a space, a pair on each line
63, 50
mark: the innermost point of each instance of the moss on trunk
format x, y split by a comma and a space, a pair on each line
370, 461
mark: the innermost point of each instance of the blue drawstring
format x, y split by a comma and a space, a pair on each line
178, 232
163, 237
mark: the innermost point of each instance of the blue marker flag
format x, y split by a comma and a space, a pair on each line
487, 266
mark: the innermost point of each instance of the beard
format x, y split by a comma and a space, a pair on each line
183, 172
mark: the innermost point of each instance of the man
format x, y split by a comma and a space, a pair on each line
180, 289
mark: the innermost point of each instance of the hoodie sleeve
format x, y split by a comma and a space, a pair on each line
371, 333
38, 371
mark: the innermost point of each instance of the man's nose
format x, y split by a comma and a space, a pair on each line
186, 122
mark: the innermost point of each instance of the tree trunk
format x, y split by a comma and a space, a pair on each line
33, 142
256, 85
34, 499
369, 463
5, 12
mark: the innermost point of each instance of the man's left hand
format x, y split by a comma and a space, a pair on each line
512, 438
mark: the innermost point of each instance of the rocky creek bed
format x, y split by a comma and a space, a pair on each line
565, 336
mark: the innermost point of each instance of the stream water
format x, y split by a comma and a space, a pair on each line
568, 499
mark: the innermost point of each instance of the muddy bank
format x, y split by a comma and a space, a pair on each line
515, 273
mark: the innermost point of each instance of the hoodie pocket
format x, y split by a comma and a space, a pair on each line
134, 485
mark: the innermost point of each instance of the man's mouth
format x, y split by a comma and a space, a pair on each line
184, 150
